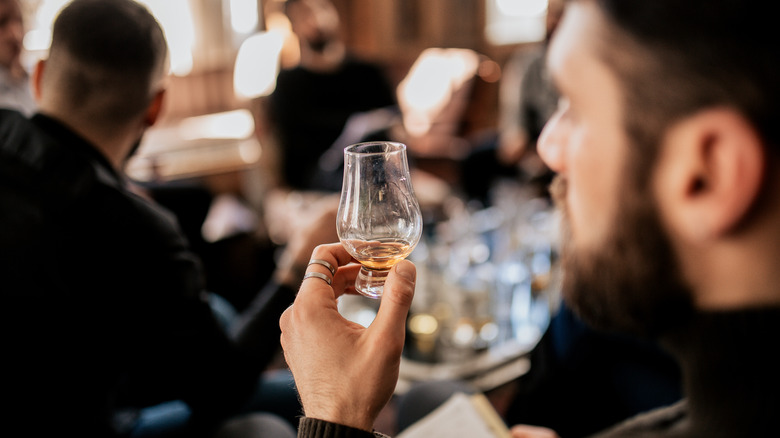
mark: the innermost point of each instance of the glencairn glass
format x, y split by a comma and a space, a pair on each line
379, 220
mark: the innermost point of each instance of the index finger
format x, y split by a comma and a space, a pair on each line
334, 253
337, 256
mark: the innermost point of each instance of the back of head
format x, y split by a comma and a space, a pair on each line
106, 61
684, 56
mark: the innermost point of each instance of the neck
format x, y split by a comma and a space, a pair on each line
114, 143
748, 268
745, 260
730, 370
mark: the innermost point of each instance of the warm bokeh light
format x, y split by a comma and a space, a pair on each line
236, 124
430, 84
291, 51
175, 17
243, 15
199, 145
423, 324
257, 65
522, 8
515, 21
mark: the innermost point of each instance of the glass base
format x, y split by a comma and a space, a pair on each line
371, 282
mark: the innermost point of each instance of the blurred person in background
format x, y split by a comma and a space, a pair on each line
107, 327
312, 102
527, 99
15, 91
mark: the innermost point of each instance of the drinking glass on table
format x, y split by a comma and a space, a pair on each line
379, 220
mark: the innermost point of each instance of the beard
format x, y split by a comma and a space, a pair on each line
631, 283
319, 42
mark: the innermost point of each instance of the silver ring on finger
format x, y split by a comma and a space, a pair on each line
319, 275
324, 263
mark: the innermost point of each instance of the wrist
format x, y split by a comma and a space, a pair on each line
351, 421
348, 414
315, 427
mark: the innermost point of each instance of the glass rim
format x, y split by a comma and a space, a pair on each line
396, 147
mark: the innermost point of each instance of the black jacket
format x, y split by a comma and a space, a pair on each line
103, 305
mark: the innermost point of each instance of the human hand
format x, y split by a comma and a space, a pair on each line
524, 431
314, 226
512, 146
345, 373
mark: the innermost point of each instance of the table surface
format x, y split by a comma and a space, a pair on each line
486, 368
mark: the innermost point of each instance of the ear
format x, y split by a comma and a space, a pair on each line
154, 109
37, 79
709, 174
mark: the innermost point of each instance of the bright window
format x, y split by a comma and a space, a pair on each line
515, 21
175, 17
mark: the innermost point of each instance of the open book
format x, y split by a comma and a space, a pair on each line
461, 415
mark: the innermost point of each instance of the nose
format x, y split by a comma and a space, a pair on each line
551, 145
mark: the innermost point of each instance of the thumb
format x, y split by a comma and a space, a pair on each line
396, 300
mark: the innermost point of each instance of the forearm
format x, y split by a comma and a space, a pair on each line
257, 328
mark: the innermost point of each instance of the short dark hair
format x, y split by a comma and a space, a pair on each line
676, 57
108, 50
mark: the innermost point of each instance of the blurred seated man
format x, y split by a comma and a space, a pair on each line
107, 329
313, 101
668, 178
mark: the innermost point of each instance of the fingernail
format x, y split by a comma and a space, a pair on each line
406, 270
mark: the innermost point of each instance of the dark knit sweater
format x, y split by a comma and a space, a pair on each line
103, 305
312, 427
732, 379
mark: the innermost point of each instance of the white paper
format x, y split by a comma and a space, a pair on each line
457, 417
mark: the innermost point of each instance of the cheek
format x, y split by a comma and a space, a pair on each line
593, 173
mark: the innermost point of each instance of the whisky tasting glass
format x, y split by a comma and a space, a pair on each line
379, 221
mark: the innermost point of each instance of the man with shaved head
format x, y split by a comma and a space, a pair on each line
107, 330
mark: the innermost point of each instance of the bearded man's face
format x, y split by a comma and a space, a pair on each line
631, 282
